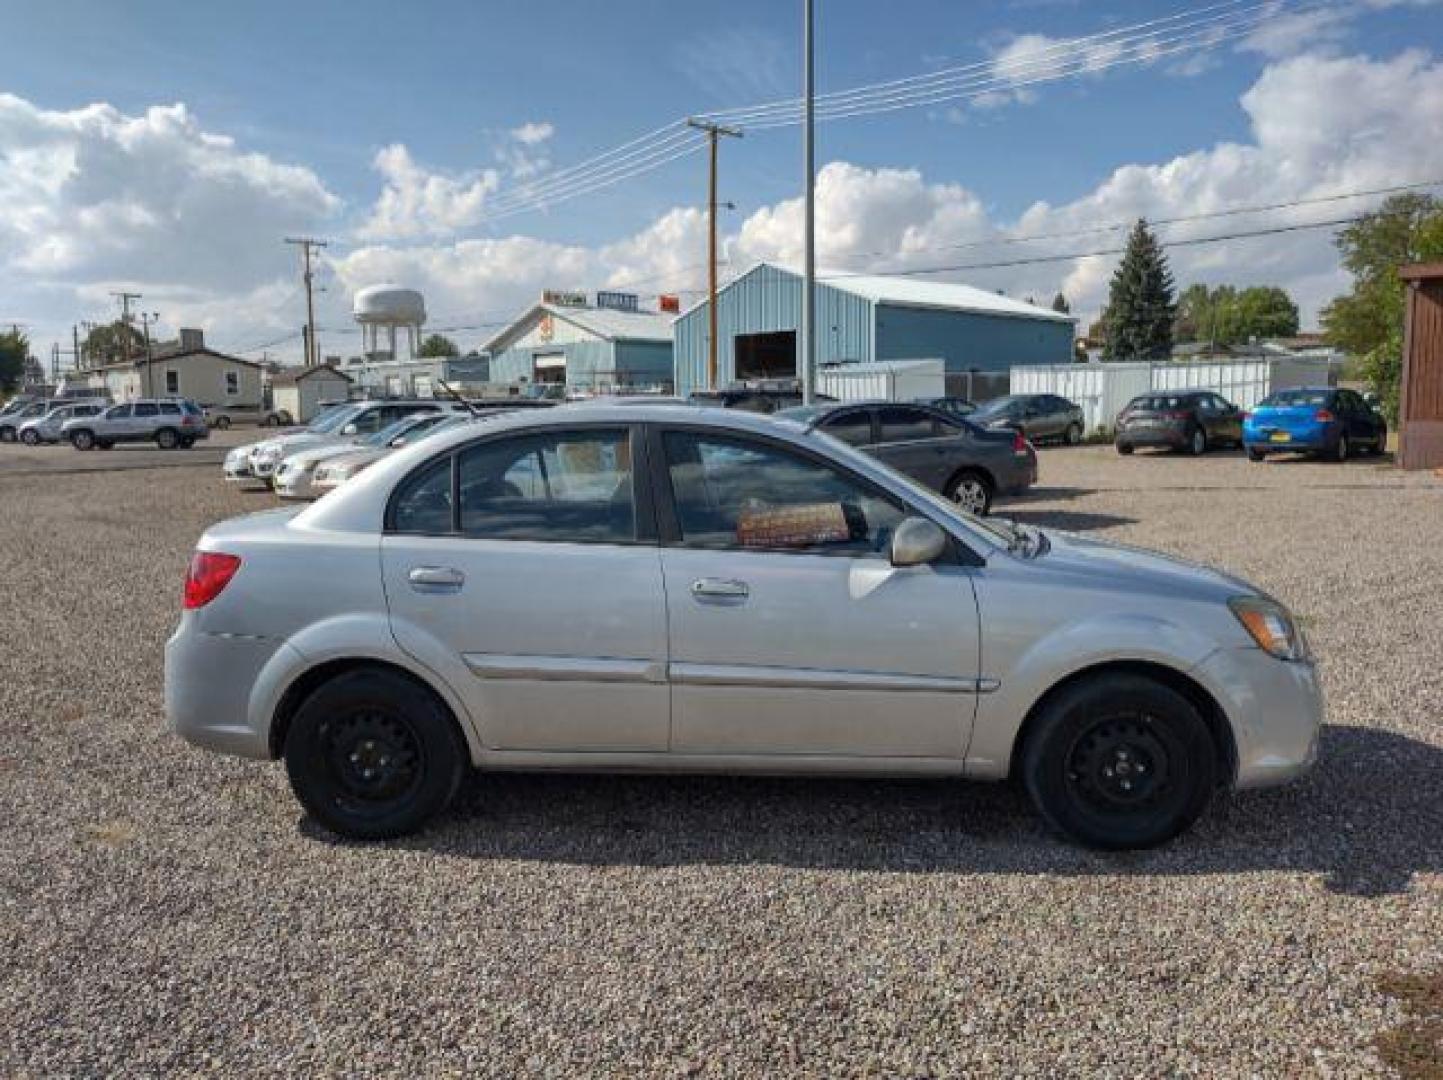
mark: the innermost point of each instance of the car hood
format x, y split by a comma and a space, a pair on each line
1103, 563
364, 456
289, 444
316, 454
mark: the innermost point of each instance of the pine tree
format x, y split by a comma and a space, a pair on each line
1142, 301
1060, 305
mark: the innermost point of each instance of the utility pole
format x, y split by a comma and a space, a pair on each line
307, 244
809, 232
145, 321
714, 133
125, 298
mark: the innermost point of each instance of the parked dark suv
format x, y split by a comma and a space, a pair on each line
941, 451
1038, 416
1191, 420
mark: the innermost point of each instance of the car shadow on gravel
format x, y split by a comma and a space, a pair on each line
1067, 520
1368, 818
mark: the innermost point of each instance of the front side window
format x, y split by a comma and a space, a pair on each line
146, 409
735, 493
120, 412
562, 487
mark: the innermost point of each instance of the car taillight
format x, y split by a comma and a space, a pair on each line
209, 573
1019, 442
1323, 416
187, 420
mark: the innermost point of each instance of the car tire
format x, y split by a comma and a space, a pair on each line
1197, 443
1119, 762
1255, 455
7, 434
222, 423
29, 437
82, 439
187, 442
1125, 448
371, 755
972, 491
1073, 435
1341, 450
1380, 446
104, 444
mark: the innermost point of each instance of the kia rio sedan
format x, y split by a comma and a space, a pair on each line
638, 588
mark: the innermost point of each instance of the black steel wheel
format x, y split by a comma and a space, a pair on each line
372, 755
1119, 761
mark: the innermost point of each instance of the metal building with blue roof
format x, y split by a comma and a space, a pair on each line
867, 318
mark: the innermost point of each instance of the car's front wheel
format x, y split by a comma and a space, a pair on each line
1073, 435
30, 437
971, 491
1119, 761
1124, 448
372, 755
82, 440
1197, 443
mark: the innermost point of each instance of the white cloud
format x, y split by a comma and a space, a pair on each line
416, 202
533, 132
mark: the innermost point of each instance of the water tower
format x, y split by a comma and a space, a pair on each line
382, 311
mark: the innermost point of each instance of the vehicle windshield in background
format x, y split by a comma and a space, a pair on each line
333, 419
1284, 398
396, 429
1159, 403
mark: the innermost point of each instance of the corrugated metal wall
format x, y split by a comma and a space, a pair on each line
764, 300
1421, 436
968, 340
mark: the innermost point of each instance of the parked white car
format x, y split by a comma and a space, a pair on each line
651, 588
294, 477
335, 471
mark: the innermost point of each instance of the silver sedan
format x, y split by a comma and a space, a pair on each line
650, 588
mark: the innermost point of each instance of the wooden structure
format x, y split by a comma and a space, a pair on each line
1420, 404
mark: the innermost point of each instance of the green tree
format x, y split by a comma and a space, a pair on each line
105, 344
1226, 315
14, 351
1141, 302
438, 345
1060, 305
1368, 321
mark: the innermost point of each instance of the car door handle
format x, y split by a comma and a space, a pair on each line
436, 579
719, 589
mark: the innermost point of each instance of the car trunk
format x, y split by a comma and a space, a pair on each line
1290, 418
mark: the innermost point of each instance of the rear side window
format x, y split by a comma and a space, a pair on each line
423, 503
146, 408
901, 425
170, 408
850, 427
562, 487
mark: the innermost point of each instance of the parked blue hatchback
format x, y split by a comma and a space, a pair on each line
1324, 420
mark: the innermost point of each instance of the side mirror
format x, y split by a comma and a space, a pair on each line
917, 541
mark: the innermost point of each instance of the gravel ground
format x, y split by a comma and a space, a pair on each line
166, 910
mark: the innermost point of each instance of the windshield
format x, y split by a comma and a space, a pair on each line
396, 429
1299, 396
334, 419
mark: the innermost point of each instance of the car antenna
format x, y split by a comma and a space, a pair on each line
451, 391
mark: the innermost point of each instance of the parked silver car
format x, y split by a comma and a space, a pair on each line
346, 465
682, 590
21, 410
171, 423
294, 476
45, 428
343, 426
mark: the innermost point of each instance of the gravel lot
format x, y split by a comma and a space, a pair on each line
166, 910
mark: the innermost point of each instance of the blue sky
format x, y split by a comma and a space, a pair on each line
326, 86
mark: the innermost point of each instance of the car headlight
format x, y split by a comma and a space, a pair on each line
1271, 626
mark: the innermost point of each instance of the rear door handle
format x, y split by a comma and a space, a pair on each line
719, 589
436, 579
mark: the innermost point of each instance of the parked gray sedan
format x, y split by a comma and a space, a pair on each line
701, 590
945, 452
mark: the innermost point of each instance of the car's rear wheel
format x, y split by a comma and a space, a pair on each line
1255, 455
1119, 761
1341, 451
222, 423
1124, 448
82, 440
1073, 435
187, 442
372, 755
971, 491
1197, 443
167, 439
30, 437
7, 434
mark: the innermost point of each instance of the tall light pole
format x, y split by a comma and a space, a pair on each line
809, 238
307, 245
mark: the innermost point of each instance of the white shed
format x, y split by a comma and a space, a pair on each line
300, 393
889, 380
